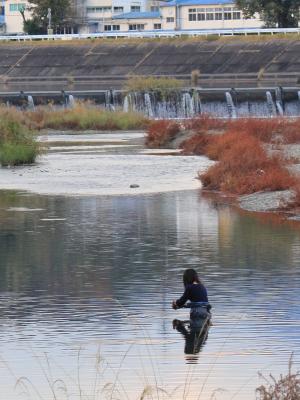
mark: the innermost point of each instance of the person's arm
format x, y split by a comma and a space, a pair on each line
183, 299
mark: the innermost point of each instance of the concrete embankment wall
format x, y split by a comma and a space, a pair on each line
107, 63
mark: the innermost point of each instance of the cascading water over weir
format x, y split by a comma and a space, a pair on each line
177, 103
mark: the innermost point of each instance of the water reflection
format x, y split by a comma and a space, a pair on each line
90, 272
195, 333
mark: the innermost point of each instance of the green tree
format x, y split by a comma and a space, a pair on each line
280, 13
61, 15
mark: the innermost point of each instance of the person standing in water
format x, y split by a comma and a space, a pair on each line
195, 291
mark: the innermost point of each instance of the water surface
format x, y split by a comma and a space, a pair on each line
86, 285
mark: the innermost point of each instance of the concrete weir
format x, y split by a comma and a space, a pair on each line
106, 64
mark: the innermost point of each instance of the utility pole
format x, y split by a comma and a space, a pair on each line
49, 16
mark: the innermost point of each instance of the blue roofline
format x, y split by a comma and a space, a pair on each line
173, 3
138, 15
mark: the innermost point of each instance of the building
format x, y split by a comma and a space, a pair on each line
92, 16
13, 17
188, 15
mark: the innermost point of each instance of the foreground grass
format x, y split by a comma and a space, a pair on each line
244, 164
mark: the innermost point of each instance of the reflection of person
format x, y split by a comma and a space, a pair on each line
195, 334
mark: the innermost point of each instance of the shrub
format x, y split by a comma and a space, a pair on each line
148, 83
160, 133
197, 144
244, 168
17, 144
204, 123
18, 153
284, 388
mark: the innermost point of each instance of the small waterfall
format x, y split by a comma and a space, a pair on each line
279, 101
109, 100
188, 109
71, 101
230, 105
148, 105
270, 104
197, 103
126, 104
30, 103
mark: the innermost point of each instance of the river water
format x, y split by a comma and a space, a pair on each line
86, 284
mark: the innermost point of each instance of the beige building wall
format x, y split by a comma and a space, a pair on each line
143, 24
216, 16
13, 17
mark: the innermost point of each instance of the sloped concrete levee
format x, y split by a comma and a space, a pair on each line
106, 64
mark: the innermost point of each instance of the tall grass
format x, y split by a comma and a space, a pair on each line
84, 117
286, 387
17, 142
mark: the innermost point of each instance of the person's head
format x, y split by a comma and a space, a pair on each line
190, 276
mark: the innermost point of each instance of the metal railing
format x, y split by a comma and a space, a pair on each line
155, 34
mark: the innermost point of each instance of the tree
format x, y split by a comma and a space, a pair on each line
275, 13
61, 15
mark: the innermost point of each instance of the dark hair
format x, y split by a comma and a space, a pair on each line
190, 276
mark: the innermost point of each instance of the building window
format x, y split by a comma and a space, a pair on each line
17, 7
111, 27
192, 14
218, 14
170, 19
98, 9
157, 26
210, 16
154, 8
136, 27
135, 8
118, 9
236, 15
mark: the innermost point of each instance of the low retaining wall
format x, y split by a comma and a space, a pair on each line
105, 64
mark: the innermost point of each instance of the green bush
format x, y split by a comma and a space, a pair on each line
17, 143
18, 153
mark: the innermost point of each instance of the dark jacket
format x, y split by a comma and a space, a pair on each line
195, 292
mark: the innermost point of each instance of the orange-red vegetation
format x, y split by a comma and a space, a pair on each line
196, 144
204, 123
160, 133
269, 130
244, 168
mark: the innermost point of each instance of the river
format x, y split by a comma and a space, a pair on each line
86, 282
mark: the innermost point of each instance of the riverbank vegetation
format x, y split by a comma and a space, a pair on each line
18, 127
17, 142
249, 152
163, 85
84, 117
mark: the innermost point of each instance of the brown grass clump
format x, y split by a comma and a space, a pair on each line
196, 144
269, 130
204, 123
244, 167
160, 133
284, 388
